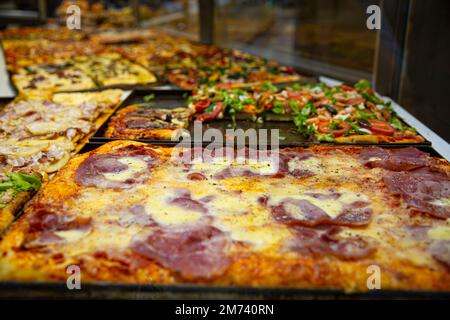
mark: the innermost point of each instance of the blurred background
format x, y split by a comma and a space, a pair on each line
407, 59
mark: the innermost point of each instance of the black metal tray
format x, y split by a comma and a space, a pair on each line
158, 84
58, 290
177, 98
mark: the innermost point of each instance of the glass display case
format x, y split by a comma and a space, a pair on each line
224, 149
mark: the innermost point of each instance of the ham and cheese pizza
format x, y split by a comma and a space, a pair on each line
138, 122
317, 217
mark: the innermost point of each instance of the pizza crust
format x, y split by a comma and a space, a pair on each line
256, 258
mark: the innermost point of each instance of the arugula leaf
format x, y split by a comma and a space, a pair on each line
149, 97
21, 182
293, 105
278, 107
304, 128
5, 185
308, 109
232, 113
397, 124
25, 182
365, 115
334, 125
362, 85
325, 137
210, 108
268, 86
296, 86
371, 98
273, 70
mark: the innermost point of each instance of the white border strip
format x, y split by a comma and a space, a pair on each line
6, 89
439, 144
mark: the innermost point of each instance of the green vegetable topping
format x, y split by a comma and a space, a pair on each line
149, 97
21, 182
269, 87
362, 85
278, 107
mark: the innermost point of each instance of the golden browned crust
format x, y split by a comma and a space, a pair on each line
119, 128
373, 138
10, 211
403, 260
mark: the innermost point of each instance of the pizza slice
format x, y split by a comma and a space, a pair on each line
320, 113
16, 188
20, 54
138, 122
316, 217
41, 155
71, 115
112, 70
52, 77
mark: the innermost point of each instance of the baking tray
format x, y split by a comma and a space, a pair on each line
158, 84
107, 290
58, 290
177, 98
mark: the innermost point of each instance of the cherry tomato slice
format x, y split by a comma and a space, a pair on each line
202, 105
380, 127
324, 127
209, 116
347, 88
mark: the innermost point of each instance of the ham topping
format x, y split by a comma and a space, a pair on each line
403, 159
440, 250
303, 212
327, 241
46, 227
193, 253
114, 171
424, 189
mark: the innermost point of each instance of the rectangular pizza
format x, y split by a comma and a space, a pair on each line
318, 217
143, 122
52, 33
320, 113
52, 77
110, 69
20, 53
41, 132
16, 188
214, 66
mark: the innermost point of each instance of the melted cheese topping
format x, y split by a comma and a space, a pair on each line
443, 202
233, 207
111, 96
72, 235
262, 167
439, 233
135, 165
333, 207
312, 164
164, 213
